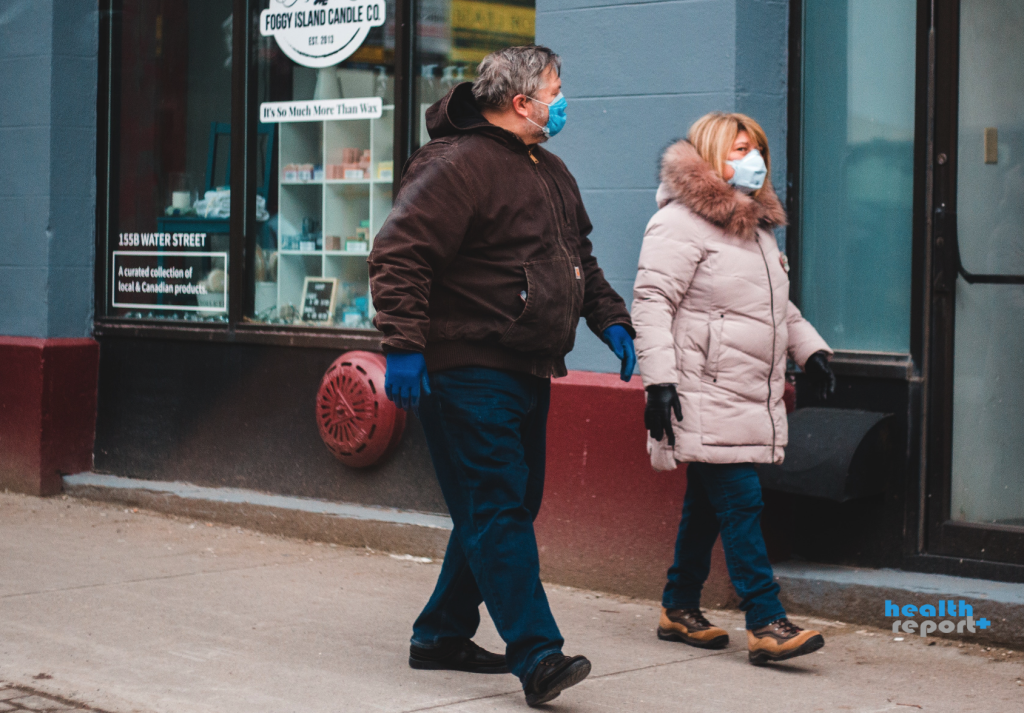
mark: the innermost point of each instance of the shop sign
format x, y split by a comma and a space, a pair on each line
478, 27
320, 33
318, 296
179, 281
321, 110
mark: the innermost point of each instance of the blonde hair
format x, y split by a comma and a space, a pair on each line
713, 136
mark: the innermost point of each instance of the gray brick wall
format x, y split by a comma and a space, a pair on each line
48, 70
636, 75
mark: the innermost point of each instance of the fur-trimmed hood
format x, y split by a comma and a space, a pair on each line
688, 178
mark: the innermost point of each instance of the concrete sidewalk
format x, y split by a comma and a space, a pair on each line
129, 611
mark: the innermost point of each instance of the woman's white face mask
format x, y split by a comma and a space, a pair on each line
749, 172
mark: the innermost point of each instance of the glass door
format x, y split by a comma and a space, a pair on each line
979, 282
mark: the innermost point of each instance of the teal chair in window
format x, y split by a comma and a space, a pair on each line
221, 132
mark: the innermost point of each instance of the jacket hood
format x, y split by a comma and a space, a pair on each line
688, 178
457, 113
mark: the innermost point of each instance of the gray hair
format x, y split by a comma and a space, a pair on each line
511, 71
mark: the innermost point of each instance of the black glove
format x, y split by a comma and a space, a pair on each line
823, 381
662, 400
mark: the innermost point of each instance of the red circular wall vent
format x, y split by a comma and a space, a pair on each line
359, 424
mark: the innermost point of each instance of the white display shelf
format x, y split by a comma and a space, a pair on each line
339, 204
328, 253
314, 182
357, 181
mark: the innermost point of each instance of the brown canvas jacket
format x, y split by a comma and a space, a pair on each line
484, 259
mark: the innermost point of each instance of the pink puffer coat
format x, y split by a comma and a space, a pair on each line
712, 315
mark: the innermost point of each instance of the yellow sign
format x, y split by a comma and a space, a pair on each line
479, 28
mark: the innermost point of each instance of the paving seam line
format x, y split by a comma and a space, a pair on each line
160, 578
441, 706
61, 700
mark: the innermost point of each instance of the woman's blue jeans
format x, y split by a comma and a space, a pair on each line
486, 430
726, 499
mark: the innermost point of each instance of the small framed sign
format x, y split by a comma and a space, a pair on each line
318, 295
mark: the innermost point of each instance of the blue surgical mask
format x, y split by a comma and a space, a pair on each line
556, 115
750, 172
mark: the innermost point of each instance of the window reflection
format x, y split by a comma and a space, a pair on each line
329, 189
857, 171
168, 247
454, 35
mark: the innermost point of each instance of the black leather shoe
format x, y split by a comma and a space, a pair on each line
553, 675
457, 655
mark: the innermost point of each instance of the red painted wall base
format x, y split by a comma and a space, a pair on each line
47, 411
609, 520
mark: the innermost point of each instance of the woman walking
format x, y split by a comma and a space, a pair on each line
714, 325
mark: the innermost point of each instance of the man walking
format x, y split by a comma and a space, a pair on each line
479, 278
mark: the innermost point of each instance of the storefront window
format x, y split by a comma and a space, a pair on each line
856, 201
167, 241
452, 36
324, 151
327, 137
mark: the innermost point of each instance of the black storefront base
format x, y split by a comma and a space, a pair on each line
218, 408
211, 407
864, 531
239, 415
965, 567
880, 530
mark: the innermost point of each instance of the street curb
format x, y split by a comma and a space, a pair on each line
380, 529
859, 595
848, 594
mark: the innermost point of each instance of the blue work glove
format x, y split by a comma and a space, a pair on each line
621, 343
406, 374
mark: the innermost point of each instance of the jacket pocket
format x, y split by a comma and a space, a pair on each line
731, 419
715, 325
543, 326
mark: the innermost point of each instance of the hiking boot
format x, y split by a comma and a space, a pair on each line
690, 627
553, 675
456, 655
781, 640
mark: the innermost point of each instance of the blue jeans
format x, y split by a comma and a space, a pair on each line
723, 498
486, 430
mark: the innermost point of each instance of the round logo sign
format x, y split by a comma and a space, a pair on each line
320, 33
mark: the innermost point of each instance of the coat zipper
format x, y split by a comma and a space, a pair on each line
558, 227
775, 334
